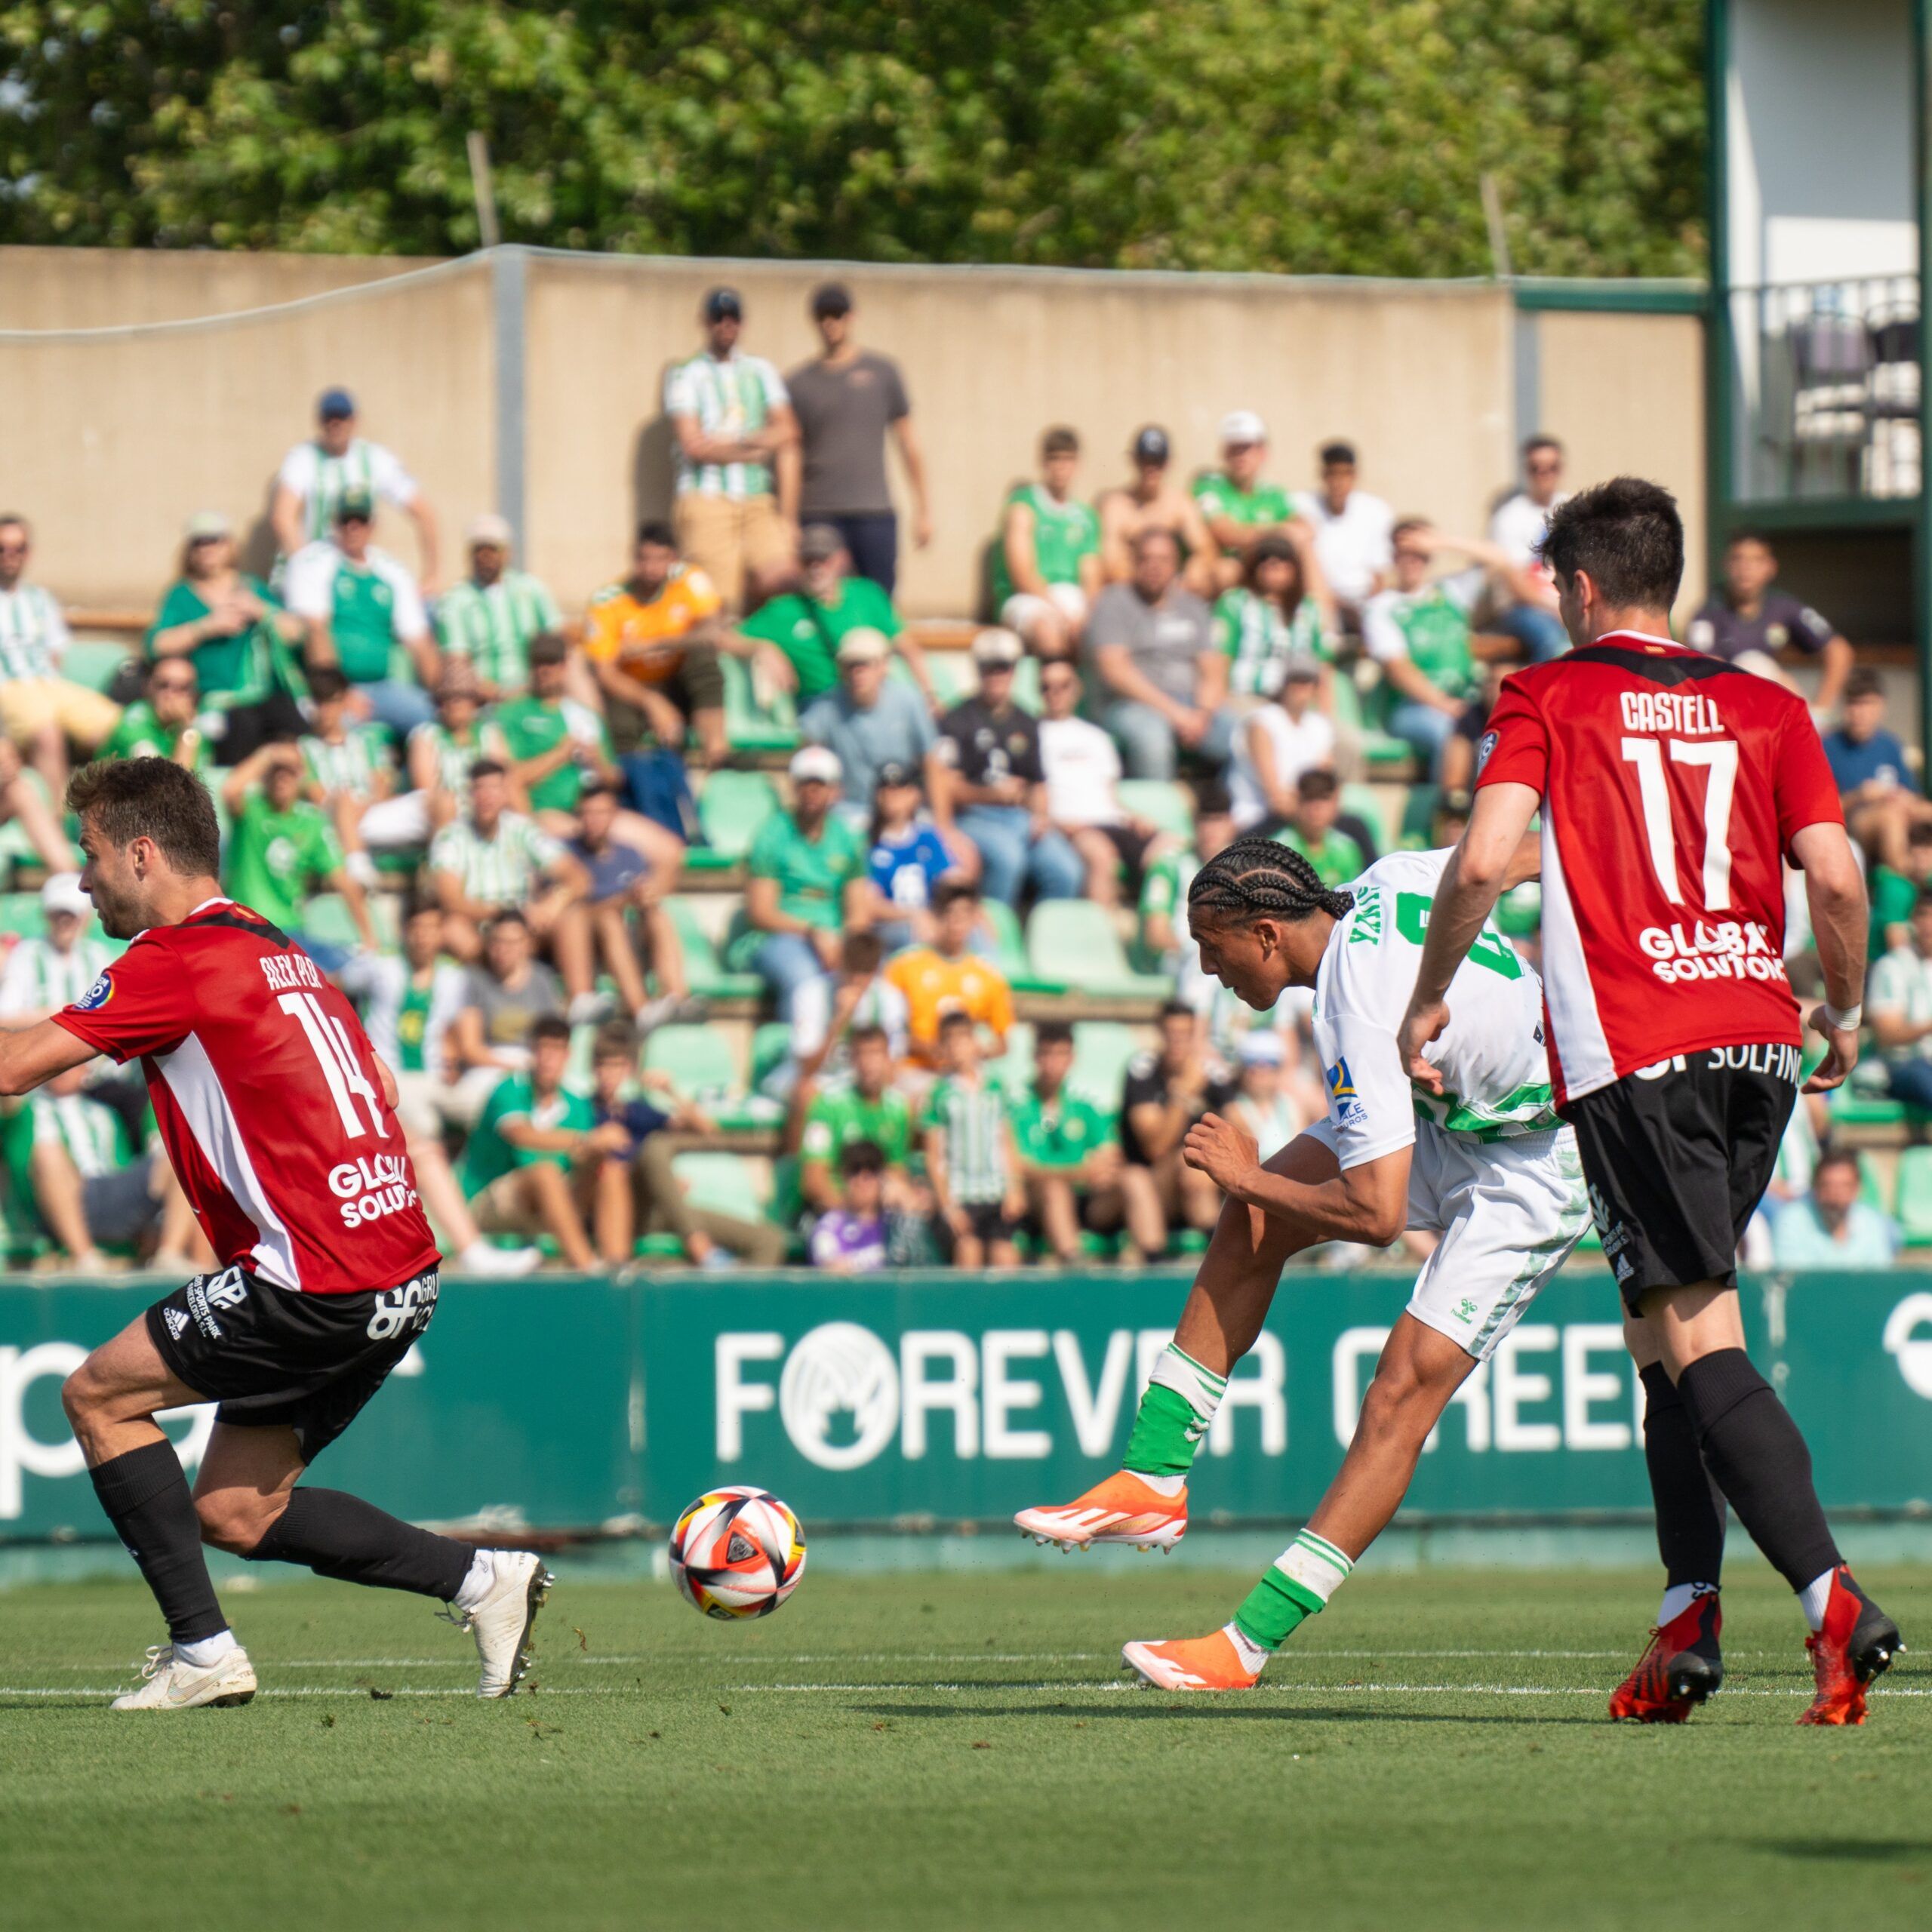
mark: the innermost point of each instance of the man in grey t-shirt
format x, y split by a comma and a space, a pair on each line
846, 401
1161, 684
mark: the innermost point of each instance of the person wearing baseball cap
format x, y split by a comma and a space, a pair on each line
1264, 1106
492, 615
1153, 500
316, 475
906, 858
848, 401
735, 511
806, 883
1238, 507
870, 719
54, 970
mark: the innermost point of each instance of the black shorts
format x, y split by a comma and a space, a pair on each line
1678, 1157
987, 1221
271, 1359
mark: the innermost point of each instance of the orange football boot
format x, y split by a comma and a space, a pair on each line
1191, 1663
1120, 1509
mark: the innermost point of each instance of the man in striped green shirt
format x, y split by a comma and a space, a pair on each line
493, 615
969, 1153
43, 975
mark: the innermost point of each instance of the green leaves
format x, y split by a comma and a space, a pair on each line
1293, 135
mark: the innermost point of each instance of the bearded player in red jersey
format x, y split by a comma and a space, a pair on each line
279, 1118
1673, 788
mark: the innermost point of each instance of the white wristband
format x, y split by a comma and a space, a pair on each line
1850, 1020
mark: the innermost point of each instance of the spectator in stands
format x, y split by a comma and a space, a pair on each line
361, 606
906, 860
440, 754
410, 1003
40, 710
166, 723
824, 1044
1749, 623
44, 974
792, 642
870, 720
1457, 771
1046, 560
1068, 1155
1275, 745
1516, 528
492, 860
1881, 800
1240, 508
737, 456
1153, 501
1161, 684
21, 797
89, 1186
1894, 894
1831, 1227
1164, 939
1164, 1093
351, 776
504, 996
1352, 533
1268, 619
232, 629
1337, 858
986, 782
846, 401
1898, 998
493, 615
1263, 1108
948, 977
869, 1108
533, 1137
1083, 774
636, 1182
850, 1238
969, 1153
807, 880
622, 886
1419, 631
652, 643
316, 478
281, 848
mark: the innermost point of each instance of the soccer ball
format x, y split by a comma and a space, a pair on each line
737, 1552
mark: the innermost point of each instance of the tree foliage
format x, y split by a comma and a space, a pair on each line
1304, 135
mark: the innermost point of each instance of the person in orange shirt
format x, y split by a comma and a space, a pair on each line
652, 643
946, 977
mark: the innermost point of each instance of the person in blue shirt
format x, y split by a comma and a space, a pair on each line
1881, 800
907, 860
1831, 1227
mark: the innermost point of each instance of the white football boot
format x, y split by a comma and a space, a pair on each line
501, 1619
170, 1683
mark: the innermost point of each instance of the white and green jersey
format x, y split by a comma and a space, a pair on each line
1257, 640
351, 766
498, 871
321, 480
1065, 533
1495, 1067
90, 1133
39, 978
33, 634
974, 1120
1430, 627
370, 608
492, 625
1900, 983
454, 756
728, 399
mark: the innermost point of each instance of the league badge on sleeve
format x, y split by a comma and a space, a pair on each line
1484, 745
97, 996
1342, 1095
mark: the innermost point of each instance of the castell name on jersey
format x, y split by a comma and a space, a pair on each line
1687, 713
287, 971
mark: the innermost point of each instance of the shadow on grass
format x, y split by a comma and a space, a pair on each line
1159, 1709
1847, 1851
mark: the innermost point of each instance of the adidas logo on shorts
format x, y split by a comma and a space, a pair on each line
177, 1320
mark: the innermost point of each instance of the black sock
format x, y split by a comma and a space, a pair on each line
1690, 1506
340, 1535
146, 1498
1754, 1450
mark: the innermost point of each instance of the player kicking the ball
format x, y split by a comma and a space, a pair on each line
1487, 1164
279, 1118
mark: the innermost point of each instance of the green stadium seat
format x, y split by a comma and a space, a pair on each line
1851, 1108
21, 915
1015, 1067
1913, 1201
1008, 951
94, 662
698, 1059
749, 725
1101, 1051
704, 968
771, 1047
731, 807
725, 1183
1161, 802
1027, 685
952, 672
1073, 932
1419, 815
326, 917
1364, 802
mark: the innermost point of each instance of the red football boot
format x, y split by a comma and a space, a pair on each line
1682, 1666
1857, 1642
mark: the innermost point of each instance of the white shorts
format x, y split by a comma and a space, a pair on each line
1025, 608
1508, 1212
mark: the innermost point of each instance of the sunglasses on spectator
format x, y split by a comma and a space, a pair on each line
170, 684
1546, 468
1064, 682
13, 549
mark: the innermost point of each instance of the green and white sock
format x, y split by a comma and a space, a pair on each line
1174, 1417
1304, 1576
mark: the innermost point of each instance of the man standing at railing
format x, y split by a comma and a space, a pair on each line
1750, 621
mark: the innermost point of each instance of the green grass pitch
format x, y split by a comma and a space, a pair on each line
956, 1750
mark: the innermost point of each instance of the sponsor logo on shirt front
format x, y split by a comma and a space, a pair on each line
1722, 949
372, 1187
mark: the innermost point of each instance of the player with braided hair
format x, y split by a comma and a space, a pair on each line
1485, 1163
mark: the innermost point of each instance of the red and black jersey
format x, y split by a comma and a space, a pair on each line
1672, 785
268, 1099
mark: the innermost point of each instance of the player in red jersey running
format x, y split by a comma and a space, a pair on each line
1673, 788
279, 1118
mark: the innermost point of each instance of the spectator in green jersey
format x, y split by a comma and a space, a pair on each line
231, 628
1165, 941
281, 848
167, 722
1046, 561
1240, 507
493, 615
872, 1108
969, 1153
1337, 859
1068, 1154
1894, 894
1268, 619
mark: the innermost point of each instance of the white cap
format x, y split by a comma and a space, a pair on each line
816, 761
1262, 1047
491, 529
864, 646
996, 645
1243, 425
62, 893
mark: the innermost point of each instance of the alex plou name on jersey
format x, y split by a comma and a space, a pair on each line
287, 972
1688, 714
371, 1186
1727, 950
